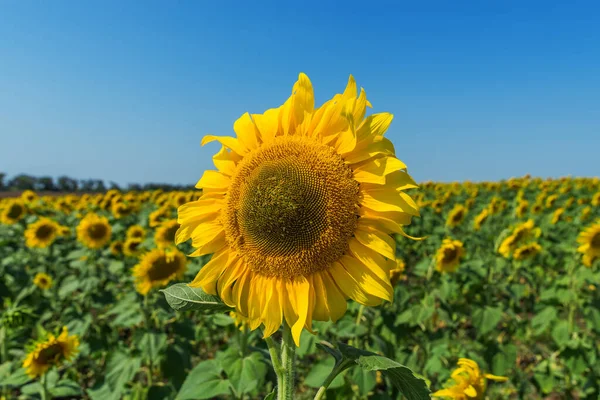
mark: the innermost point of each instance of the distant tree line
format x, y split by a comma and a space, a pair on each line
66, 184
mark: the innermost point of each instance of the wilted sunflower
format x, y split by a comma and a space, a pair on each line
300, 211
43, 281
50, 352
12, 212
131, 247
589, 240
480, 219
448, 255
116, 247
457, 214
94, 231
157, 268
527, 251
136, 232
41, 233
468, 383
165, 233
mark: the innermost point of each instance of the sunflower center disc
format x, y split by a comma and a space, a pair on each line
162, 268
595, 242
50, 353
450, 254
97, 231
44, 232
292, 207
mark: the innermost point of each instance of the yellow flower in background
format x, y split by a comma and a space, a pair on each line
550, 200
43, 281
537, 208
131, 247
596, 199
521, 234
527, 251
397, 272
158, 216
12, 211
52, 351
116, 247
121, 209
448, 255
41, 233
456, 215
481, 218
589, 240
521, 208
467, 382
585, 213
94, 231
157, 268
165, 233
239, 320
556, 215
280, 213
29, 196
136, 232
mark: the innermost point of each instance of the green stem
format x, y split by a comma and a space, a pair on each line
274, 352
288, 354
338, 369
44, 392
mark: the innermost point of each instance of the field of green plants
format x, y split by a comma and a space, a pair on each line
508, 276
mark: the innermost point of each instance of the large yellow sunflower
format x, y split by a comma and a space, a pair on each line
300, 211
12, 211
49, 352
41, 233
157, 268
94, 231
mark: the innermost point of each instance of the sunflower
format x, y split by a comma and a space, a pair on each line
157, 216
131, 247
480, 219
527, 251
448, 255
468, 383
121, 209
94, 231
157, 268
165, 233
300, 211
537, 208
550, 200
585, 213
521, 208
116, 247
43, 281
596, 199
456, 215
49, 352
179, 199
589, 240
240, 321
136, 232
397, 272
29, 196
522, 233
12, 212
41, 233
556, 215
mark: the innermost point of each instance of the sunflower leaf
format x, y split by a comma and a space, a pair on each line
181, 297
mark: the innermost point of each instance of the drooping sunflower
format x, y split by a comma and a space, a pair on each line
557, 214
12, 211
165, 233
300, 211
41, 233
527, 251
480, 219
448, 255
456, 215
522, 233
136, 232
589, 240
94, 231
42, 280
157, 268
467, 382
131, 247
49, 352
116, 247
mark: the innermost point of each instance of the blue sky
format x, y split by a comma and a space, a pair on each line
125, 90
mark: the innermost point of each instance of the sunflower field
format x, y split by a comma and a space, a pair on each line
507, 278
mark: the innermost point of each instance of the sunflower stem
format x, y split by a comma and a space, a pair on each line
288, 355
274, 352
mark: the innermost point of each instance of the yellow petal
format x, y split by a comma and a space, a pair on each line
301, 290
367, 149
273, 314
246, 131
209, 274
379, 242
375, 171
374, 125
336, 300
368, 277
350, 287
470, 391
226, 161
267, 124
212, 246
388, 200
496, 378
213, 180
227, 141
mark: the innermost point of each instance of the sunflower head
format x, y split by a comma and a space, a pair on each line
43, 281
527, 251
467, 382
481, 218
121, 208
116, 247
50, 351
136, 232
165, 233
29, 196
456, 215
157, 216
94, 231
448, 255
41, 233
589, 240
131, 247
12, 211
556, 215
300, 211
157, 268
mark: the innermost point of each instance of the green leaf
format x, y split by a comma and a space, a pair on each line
411, 386
543, 320
181, 297
560, 333
66, 388
204, 382
271, 396
486, 320
246, 374
16, 379
320, 371
152, 344
365, 380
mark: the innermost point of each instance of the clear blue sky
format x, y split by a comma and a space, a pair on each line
125, 90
